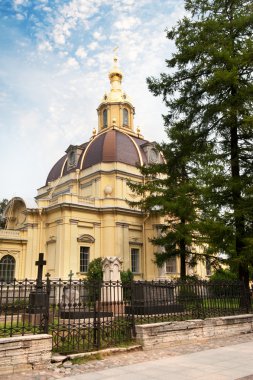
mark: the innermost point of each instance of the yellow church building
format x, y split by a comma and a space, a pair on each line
82, 212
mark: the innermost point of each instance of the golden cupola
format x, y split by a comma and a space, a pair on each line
116, 109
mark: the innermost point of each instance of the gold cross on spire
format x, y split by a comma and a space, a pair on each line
115, 58
115, 49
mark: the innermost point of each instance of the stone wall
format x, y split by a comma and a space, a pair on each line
165, 333
23, 353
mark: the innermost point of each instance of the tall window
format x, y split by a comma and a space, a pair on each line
135, 260
72, 158
7, 268
125, 116
171, 265
105, 118
84, 259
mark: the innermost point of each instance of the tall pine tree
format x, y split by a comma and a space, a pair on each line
172, 190
209, 88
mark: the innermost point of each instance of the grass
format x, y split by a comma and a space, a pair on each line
86, 359
101, 355
84, 338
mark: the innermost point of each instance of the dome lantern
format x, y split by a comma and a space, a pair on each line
116, 109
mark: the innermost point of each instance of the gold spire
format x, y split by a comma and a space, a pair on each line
115, 76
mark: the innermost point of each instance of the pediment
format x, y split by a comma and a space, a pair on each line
86, 238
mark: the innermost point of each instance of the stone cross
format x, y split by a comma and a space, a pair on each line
40, 263
71, 274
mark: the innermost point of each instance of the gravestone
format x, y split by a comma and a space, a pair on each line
38, 298
153, 298
70, 300
72, 306
112, 291
37, 310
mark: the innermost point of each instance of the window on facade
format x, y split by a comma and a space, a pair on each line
104, 118
135, 260
7, 268
125, 116
208, 267
84, 259
171, 265
72, 158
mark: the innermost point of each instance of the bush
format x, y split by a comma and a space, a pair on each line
95, 272
126, 276
94, 279
224, 284
186, 294
223, 275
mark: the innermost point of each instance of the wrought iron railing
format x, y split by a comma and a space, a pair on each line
156, 301
85, 316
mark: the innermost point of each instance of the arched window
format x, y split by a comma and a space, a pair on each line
7, 268
105, 118
125, 117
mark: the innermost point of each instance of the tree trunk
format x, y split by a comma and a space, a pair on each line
182, 258
243, 272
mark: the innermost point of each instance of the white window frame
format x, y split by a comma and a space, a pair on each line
84, 265
135, 265
171, 263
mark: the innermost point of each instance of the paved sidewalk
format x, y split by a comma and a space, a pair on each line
224, 363
175, 358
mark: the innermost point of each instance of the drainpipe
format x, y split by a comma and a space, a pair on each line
144, 246
40, 230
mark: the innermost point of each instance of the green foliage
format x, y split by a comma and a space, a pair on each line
14, 306
220, 280
206, 183
171, 190
223, 275
95, 272
94, 278
186, 295
126, 276
86, 359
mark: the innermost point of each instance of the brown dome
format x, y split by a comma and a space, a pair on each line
110, 146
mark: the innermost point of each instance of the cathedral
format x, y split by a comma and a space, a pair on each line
82, 211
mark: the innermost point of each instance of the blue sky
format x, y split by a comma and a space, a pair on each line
54, 64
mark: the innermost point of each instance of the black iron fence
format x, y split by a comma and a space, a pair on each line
84, 316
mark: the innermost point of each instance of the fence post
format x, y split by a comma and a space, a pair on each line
46, 315
132, 303
97, 287
246, 298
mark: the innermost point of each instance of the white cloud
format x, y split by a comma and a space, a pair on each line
90, 62
45, 46
70, 15
93, 45
127, 23
20, 2
59, 37
99, 36
72, 63
80, 52
59, 96
20, 16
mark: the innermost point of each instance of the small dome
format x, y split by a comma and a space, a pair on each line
110, 146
